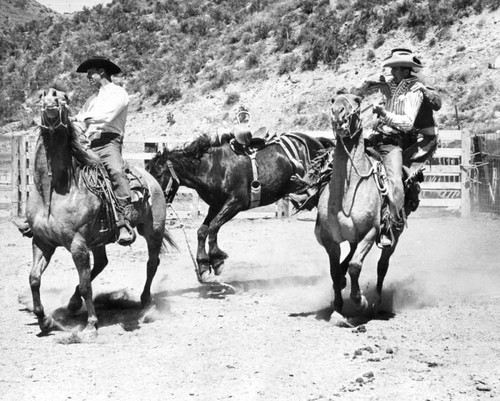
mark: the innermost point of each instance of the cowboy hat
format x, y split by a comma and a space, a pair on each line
402, 58
99, 62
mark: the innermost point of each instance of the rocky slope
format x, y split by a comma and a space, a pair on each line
21, 11
456, 63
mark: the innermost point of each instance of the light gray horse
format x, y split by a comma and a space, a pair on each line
349, 208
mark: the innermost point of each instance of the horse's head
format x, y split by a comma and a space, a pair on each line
54, 109
163, 171
345, 115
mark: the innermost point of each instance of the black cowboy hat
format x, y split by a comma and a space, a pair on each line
99, 62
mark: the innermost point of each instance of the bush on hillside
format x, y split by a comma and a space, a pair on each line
164, 46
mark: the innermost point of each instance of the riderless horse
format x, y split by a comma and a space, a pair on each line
67, 207
231, 179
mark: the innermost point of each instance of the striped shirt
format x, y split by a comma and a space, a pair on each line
402, 105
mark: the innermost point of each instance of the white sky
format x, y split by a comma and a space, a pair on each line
70, 6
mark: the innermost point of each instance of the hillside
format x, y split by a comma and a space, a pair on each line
196, 61
457, 65
14, 12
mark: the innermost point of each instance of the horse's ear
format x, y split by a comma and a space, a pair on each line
69, 96
342, 91
358, 100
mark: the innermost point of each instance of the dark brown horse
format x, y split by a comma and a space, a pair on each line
223, 179
64, 211
349, 208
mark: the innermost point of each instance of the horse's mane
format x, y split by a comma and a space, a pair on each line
188, 156
197, 148
82, 157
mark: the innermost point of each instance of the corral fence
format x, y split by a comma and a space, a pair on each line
485, 177
463, 175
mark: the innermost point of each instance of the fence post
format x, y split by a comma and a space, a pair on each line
23, 172
14, 210
465, 187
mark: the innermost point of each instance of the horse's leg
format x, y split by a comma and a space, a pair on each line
202, 258
100, 262
356, 264
81, 257
217, 256
383, 265
41, 259
337, 274
345, 263
154, 242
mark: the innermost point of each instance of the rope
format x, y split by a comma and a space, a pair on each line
370, 172
224, 286
197, 271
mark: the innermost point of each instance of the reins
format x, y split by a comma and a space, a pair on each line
358, 131
51, 128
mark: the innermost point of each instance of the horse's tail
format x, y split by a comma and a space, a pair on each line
168, 242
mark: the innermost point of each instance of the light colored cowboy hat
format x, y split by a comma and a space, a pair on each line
402, 58
99, 62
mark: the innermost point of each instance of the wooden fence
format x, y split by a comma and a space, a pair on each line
445, 185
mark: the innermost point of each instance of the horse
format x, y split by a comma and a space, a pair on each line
64, 210
225, 180
349, 207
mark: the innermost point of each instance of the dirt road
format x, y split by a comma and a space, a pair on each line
269, 340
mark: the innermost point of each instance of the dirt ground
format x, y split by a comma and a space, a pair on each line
271, 340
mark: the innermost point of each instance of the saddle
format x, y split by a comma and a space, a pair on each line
97, 181
245, 142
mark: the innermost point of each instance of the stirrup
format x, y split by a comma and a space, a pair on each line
382, 238
132, 233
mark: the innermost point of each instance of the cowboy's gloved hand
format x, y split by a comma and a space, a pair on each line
379, 108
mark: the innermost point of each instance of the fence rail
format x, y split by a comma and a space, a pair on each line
445, 185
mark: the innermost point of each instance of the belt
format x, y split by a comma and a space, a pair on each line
103, 135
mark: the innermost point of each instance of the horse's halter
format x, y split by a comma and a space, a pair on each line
54, 110
344, 124
172, 184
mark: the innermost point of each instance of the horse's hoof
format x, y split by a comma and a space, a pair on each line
46, 324
205, 276
218, 269
362, 304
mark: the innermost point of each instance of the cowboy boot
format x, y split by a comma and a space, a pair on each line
126, 234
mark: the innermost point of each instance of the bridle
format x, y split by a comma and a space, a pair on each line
346, 123
47, 123
345, 126
170, 190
